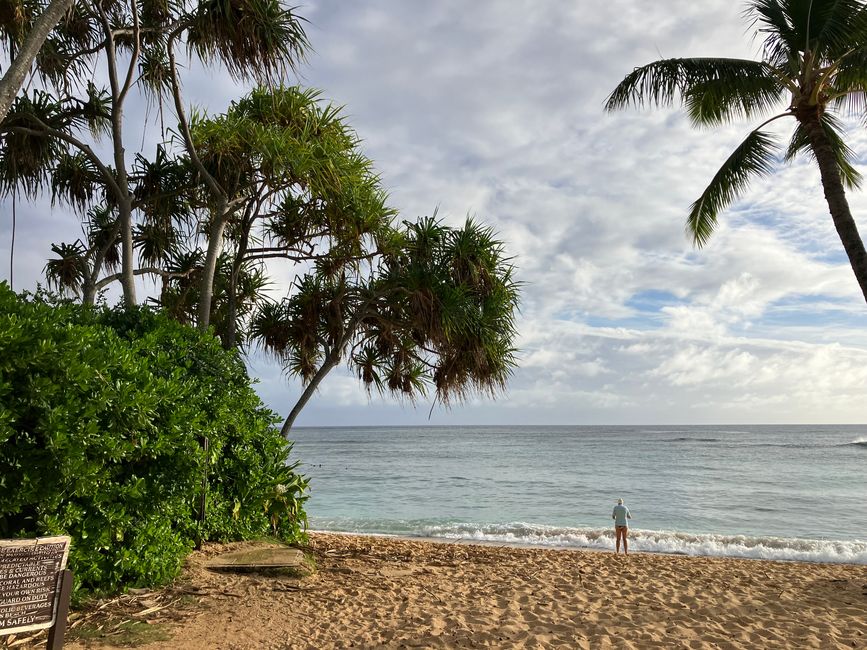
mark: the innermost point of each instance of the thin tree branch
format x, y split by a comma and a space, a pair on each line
75, 142
144, 271
21, 64
184, 124
135, 52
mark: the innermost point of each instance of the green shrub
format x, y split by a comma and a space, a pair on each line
102, 418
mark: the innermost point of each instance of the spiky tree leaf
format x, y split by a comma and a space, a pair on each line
661, 82
753, 157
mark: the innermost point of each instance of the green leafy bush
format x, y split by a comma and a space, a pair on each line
103, 415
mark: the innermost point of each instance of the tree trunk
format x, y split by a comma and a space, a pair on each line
12, 246
231, 336
209, 272
127, 268
17, 72
835, 195
330, 362
124, 200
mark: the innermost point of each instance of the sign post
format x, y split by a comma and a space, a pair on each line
35, 586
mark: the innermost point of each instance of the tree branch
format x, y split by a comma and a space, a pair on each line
144, 271
135, 52
330, 362
18, 68
210, 181
75, 142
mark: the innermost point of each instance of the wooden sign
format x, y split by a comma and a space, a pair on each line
31, 572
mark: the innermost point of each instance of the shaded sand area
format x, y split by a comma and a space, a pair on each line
374, 592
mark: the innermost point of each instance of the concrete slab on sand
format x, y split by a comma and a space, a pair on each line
257, 558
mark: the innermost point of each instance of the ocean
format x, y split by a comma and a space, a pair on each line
770, 492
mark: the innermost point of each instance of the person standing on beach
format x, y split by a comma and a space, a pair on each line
620, 515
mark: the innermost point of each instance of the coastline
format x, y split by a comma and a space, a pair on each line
375, 591
635, 544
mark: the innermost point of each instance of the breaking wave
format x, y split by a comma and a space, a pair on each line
741, 546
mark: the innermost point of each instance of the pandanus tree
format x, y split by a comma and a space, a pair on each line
26, 47
58, 127
813, 70
276, 187
294, 190
433, 309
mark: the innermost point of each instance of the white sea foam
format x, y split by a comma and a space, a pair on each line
742, 546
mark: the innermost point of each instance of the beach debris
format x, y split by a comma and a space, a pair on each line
278, 557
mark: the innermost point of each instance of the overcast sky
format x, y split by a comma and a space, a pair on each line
495, 109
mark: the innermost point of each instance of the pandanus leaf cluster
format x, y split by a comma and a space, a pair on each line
54, 137
434, 310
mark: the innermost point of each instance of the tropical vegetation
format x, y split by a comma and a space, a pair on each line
813, 70
276, 186
103, 416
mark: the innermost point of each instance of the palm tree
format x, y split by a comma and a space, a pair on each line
814, 66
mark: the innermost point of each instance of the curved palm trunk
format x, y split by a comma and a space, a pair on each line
17, 71
835, 195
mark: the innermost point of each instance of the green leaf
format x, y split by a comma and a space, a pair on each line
753, 157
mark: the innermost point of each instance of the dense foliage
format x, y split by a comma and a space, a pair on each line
102, 418
274, 192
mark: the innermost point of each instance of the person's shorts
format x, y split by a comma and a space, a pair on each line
621, 528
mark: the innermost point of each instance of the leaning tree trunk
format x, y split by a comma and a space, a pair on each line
18, 69
835, 195
331, 361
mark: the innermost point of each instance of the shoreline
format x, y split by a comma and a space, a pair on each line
588, 549
373, 591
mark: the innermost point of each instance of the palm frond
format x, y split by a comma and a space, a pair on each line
790, 28
774, 25
95, 111
28, 157
16, 19
154, 241
753, 157
833, 26
659, 83
102, 232
155, 76
368, 363
728, 98
159, 13
850, 81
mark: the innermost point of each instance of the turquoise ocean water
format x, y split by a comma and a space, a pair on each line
774, 492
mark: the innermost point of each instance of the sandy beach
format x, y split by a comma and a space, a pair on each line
376, 592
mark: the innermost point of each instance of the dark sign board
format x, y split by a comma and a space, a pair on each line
29, 582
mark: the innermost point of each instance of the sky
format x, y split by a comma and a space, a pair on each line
495, 109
